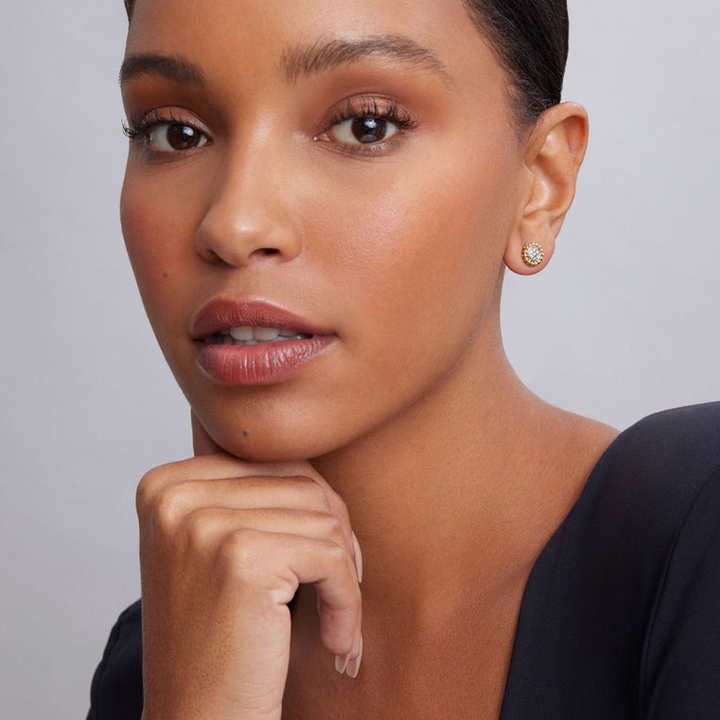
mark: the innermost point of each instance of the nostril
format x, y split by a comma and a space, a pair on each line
270, 251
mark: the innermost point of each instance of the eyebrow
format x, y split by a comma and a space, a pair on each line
298, 61
171, 67
326, 54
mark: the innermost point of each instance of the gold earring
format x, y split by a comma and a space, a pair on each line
533, 254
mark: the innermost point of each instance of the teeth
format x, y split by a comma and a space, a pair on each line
265, 334
242, 333
250, 335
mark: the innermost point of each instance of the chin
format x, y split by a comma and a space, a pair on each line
269, 452
263, 441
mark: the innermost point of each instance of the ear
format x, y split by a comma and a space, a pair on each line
554, 152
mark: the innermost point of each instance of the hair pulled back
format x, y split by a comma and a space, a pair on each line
530, 39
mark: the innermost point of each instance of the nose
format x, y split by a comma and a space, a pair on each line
247, 219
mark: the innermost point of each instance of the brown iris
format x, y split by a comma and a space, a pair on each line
368, 129
182, 137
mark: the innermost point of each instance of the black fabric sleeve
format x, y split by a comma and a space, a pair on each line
116, 692
682, 654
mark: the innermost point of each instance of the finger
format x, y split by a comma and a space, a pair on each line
204, 445
339, 508
221, 464
173, 501
206, 469
264, 542
327, 566
168, 509
211, 461
206, 526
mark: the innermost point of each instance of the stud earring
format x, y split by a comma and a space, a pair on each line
533, 254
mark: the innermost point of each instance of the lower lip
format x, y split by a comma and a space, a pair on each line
260, 364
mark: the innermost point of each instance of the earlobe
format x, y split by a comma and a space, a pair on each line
529, 258
554, 153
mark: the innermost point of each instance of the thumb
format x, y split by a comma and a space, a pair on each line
203, 444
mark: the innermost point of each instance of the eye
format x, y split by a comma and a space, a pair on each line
368, 125
161, 132
364, 130
174, 137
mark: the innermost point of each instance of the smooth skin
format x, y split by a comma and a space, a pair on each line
412, 430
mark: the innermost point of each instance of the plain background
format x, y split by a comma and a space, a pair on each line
622, 323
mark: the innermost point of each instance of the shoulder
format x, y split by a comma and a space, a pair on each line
658, 505
674, 460
688, 436
652, 473
116, 691
630, 583
642, 492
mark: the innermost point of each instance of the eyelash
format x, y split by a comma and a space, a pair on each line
401, 118
138, 127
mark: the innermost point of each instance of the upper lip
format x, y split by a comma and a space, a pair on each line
222, 313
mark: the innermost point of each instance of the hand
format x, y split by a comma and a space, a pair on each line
224, 544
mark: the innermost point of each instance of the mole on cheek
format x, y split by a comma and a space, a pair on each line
166, 274
246, 433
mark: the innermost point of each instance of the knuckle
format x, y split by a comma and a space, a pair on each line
197, 529
145, 492
337, 554
313, 491
240, 553
339, 508
150, 485
168, 508
334, 529
334, 503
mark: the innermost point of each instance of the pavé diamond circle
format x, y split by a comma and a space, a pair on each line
532, 254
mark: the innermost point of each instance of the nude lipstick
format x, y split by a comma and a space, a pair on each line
254, 342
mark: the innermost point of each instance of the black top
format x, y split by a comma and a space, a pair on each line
620, 617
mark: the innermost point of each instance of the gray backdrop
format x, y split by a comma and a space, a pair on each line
622, 323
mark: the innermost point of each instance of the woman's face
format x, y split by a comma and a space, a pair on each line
386, 235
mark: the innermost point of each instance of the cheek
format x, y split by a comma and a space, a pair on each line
157, 225
414, 267
420, 259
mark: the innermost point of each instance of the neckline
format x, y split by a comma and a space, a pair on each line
542, 559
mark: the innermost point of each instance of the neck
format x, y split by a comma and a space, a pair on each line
433, 493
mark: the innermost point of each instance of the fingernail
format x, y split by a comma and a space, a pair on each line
341, 662
354, 665
358, 557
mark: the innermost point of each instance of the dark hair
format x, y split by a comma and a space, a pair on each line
530, 39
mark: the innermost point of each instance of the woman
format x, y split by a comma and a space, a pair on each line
320, 203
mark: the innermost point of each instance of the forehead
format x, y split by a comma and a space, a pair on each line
255, 37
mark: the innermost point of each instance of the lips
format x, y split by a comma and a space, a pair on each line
222, 314
257, 364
